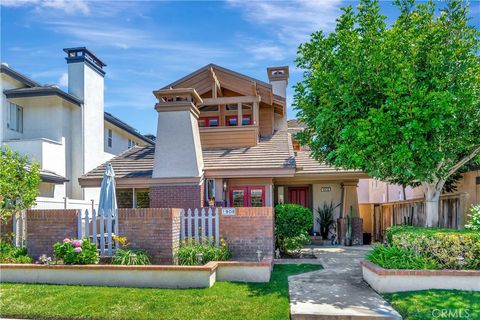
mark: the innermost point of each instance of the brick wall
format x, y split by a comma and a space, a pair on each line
154, 230
181, 196
45, 227
249, 230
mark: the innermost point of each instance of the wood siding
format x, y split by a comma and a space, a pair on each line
229, 137
266, 121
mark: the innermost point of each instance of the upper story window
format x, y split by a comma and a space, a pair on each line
131, 143
232, 121
208, 122
15, 117
110, 138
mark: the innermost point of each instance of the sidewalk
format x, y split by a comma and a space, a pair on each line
338, 291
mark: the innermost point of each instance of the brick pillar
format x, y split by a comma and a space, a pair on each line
46, 227
177, 196
155, 230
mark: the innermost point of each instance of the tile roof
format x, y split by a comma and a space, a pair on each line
307, 165
270, 153
135, 162
274, 152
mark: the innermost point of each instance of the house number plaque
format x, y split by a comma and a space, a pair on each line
228, 211
326, 189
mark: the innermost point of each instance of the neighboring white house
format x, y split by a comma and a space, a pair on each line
68, 133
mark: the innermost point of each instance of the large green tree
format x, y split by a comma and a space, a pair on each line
400, 102
18, 183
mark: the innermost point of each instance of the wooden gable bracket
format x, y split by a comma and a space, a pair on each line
254, 89
216, 87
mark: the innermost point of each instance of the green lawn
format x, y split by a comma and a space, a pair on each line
436, 304
225, 300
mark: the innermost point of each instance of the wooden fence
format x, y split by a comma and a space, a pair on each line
201, 226
452, 209
99, 228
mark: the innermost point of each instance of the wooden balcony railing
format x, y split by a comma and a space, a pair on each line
229, 137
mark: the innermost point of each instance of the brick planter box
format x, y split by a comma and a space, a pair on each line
153, 276
396, 280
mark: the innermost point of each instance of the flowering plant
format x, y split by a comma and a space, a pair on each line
44, 259
474, 218
74, 251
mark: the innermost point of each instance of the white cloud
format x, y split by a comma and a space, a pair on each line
63, 80
69, 7
291, 22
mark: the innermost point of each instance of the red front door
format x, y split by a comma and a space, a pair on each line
298, 195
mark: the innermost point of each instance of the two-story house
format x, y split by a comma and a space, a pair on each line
68, 133
222, 138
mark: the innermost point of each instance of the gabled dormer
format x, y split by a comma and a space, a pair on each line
235, 109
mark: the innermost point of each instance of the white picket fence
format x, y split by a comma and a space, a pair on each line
19, 222
100, 229
199, 226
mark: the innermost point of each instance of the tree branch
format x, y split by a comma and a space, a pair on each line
463, 161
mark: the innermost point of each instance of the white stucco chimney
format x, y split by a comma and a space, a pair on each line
86, 82
278, 77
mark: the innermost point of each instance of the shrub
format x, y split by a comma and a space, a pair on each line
474, 218
11, 254
187, 254
450, 248
131, 257
392, 257
72, 251
292, 223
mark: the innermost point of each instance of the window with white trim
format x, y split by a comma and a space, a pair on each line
131, 143
15, 118
110, 138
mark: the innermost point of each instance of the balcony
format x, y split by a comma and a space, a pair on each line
49, 153
229, 137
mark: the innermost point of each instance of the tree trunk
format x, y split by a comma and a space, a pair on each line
432, 198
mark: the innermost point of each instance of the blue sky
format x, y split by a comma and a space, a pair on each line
148, 44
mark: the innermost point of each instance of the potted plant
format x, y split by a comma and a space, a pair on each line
325, 218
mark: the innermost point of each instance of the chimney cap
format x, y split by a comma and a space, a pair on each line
278, 73
79, 54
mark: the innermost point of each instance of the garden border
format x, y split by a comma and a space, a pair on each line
396, 280
153, 276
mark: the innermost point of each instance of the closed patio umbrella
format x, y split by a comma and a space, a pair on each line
107, 206
108, 198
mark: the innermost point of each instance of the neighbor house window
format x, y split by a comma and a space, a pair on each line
110, 138
131, 143
15, 122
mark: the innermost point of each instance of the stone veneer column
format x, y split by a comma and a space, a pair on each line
178, 165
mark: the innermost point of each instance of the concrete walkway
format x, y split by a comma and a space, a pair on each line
338, 291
